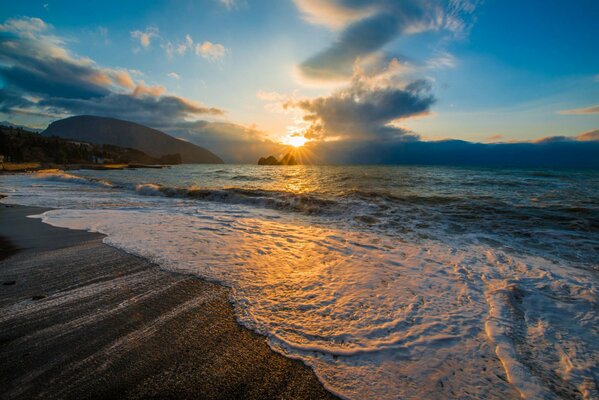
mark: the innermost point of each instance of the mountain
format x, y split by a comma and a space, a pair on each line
101, 130
22, 146
11, 125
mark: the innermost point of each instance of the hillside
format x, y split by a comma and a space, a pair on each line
101, 130
20, 146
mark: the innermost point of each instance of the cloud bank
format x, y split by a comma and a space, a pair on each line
42, 76
366, 113
564, 152
44, 80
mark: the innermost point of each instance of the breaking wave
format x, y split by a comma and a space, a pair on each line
429, 284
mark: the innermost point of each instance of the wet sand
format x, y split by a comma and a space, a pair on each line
81, 320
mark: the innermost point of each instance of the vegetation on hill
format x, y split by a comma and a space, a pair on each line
21, 146
102, 130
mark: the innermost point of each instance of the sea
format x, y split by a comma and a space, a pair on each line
390, 282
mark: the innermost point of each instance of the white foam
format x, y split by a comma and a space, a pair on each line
61, 176
375, 317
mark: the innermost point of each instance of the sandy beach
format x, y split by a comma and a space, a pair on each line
80, 319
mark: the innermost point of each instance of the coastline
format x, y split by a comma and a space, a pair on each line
80, 319
24, 167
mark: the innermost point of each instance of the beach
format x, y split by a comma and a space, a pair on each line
206, 281
80, 319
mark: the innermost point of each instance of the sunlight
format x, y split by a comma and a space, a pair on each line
295, 141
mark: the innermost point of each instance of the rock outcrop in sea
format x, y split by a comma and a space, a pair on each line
288, 159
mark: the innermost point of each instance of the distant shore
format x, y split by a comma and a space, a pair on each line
36, 166
80, 319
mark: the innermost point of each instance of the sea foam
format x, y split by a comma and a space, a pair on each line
375, 315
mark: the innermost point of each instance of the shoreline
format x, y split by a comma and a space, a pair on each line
81, 319
25, 167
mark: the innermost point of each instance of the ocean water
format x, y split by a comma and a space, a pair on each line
390, 282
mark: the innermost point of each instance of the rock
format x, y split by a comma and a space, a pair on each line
270, 160
38, 297
9, 283
288, 159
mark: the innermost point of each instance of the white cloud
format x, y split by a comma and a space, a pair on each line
179, 49
145, 37
24, 25
331, 13
441, 60
230, 4
270, 96
581, 111
173, 75
211, 51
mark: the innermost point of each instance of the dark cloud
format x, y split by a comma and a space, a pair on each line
10, 100
552, 154
360, 38
149, 110
41, 76
47, 76
364, 112
374, 24
44, 80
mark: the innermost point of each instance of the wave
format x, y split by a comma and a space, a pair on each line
570, 227
61, 176
279, 200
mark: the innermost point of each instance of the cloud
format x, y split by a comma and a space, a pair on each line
232, 4
180, 48
557, 154
441, 60
233, 142
495, 138
41, 77
581, 111
211, 51
208, 50
580, 151
368, 25
145, 37
333, 14
103, 32
588, 136
35, 62
24, 25
146, 109
364, 111
143, 90
45, 81
270, 96
173, 75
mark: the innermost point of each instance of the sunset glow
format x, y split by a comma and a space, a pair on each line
295, 141
299, 199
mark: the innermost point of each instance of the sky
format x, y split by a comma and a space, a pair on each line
252, 74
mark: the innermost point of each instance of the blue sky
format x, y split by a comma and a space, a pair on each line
489, 70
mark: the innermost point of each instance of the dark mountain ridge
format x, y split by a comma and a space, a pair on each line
21, 146
111, 131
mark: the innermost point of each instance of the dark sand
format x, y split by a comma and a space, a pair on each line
84, 320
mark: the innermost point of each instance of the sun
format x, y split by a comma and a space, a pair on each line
295, 141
